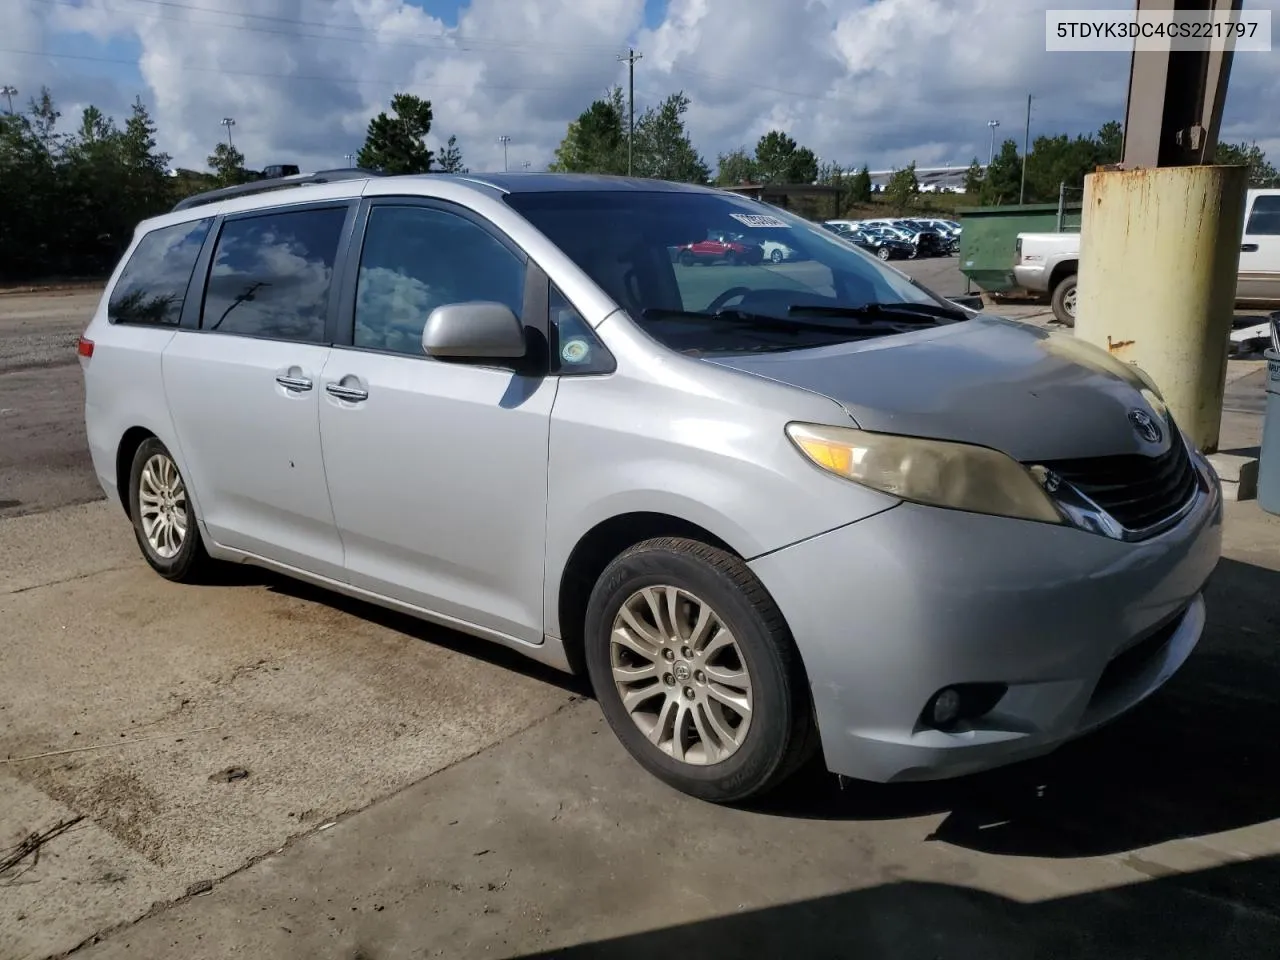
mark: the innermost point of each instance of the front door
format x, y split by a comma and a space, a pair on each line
437, 470
243, 389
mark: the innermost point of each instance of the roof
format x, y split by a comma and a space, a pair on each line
531, 182
523, 182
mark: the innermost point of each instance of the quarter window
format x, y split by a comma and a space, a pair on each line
272, 275
418, 258
1264, 219
153, 285
577, 349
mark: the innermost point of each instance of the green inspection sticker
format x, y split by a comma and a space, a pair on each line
575, 351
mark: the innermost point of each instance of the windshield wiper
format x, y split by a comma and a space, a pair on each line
759, 321
912, 312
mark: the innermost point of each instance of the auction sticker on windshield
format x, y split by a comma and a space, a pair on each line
758, 220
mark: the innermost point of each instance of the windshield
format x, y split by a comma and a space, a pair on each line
713, 272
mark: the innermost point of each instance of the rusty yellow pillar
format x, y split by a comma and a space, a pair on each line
1159, 250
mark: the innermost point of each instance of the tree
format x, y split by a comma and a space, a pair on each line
227, 164
1110, 141
1003, 181
397, 144
1261, 173
780, 160
973, 179
662, 149
596, 142
1059, 160
903, 188
860, 186
736, 166
451, 157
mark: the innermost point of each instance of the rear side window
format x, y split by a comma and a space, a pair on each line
1264, 219
153, 284
272, 275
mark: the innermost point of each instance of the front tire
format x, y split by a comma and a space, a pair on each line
1064, 301
883, 253
696, 672
776, 256
164, 516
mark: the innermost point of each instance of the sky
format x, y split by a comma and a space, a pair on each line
880, 82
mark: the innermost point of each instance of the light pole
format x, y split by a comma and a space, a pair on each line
630, 60
504, 140
229, 122
992, 155
350, 158
1026, 148
526, 164
9, 92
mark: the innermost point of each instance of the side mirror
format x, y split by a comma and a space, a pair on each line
475, 329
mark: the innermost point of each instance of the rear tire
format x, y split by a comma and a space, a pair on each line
776, 256
164, 516
677, 682
1064, 301
686, 258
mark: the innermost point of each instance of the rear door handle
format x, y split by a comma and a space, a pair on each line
1248, 247
350, 394
294, 383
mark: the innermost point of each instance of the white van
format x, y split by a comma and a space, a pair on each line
1258, 282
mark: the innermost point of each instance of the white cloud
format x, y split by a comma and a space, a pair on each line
875, 81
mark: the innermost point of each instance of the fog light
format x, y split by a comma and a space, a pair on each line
946, 707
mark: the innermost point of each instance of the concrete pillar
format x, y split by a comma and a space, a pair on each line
1159, 250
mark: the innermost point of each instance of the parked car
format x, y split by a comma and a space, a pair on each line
1047, 263
765, 515
1258, 279
883, 245
720, 247
776, 251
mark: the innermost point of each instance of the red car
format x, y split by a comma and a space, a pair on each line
720, 247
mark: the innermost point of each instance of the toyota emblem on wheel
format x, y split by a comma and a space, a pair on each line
1145, 425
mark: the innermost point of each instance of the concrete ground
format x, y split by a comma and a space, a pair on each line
265, 770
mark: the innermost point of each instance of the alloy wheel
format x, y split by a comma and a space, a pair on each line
681, 675
162, 504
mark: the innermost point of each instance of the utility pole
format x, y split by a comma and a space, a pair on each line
631, 59
229, 122
504, 140
9, 92
992, 155
1026, 146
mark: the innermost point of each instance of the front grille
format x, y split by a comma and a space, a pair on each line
1136, 491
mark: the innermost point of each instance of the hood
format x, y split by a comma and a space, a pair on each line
1032, 394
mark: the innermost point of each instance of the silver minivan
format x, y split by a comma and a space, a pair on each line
771, 510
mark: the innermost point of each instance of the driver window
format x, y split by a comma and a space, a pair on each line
415, 259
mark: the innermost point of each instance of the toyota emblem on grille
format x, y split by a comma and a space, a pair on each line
1145, 425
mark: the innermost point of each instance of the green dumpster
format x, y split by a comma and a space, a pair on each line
987, 241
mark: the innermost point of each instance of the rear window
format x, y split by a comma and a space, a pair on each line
1264, 219
153, 285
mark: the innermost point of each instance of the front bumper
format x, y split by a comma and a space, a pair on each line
889, 610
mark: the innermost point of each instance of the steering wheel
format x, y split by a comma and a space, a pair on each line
719, 302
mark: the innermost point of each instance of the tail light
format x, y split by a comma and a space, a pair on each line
84, 347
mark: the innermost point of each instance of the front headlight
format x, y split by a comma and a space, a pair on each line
936, 472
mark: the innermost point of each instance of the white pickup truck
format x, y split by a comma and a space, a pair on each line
1047, 262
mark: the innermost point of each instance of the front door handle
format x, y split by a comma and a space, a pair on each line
350, 394
1248, 248
293, 383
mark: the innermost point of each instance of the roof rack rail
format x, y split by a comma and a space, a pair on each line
279, 183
